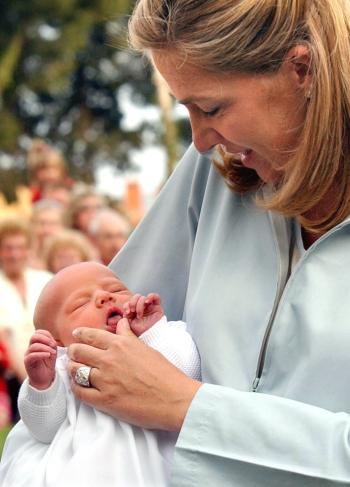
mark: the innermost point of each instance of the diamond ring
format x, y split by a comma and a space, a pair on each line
82, 376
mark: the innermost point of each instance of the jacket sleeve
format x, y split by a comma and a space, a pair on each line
250, 439
43, 412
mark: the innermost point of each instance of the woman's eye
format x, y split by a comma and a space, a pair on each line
212, 113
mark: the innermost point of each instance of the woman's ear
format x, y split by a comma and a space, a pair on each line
298, 64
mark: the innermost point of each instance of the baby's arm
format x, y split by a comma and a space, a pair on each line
42, 401
142, 312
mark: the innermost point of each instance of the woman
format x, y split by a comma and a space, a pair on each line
46, 167
20, 287
256, 268
67, 248
84, 205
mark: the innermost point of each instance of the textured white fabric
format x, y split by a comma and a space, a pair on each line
77, 445
170, 338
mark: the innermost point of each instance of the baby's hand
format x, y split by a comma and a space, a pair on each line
143, 312
40, 359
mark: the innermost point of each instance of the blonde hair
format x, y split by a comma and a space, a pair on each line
71, 239
15, 226
42, 155
77, 204
254, 36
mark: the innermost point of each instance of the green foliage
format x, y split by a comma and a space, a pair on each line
53, 83
3, 434
60, 78
9, 60
10, 130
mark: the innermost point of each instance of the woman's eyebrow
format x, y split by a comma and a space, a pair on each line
193, 99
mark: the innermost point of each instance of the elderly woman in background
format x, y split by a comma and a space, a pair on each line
20, 287
108, 231
67, 248
84, 205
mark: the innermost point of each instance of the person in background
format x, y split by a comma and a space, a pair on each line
47, 220
67, 248
84, 204
46, 167
58, 191
108, 231
6, 410
20, 287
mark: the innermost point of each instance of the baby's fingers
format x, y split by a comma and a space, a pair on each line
44, 337
140, 306
41, 348
34, 357
153, 298
130, 306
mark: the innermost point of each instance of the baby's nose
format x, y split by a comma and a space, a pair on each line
103, 297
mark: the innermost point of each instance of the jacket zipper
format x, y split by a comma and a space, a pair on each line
284, 244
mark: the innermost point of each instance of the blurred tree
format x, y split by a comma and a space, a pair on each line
61, 76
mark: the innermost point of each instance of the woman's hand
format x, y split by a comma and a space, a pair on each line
129, 380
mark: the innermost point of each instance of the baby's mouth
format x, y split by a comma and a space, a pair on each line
114, 315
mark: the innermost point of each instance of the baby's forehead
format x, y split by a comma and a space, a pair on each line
85, 278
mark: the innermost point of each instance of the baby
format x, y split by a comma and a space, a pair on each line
71, 443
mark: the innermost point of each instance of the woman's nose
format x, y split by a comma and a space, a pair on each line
103, 297
204, 137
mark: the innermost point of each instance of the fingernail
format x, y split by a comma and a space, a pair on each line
76, 333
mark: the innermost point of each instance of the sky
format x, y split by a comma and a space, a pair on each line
151, 160
151, 163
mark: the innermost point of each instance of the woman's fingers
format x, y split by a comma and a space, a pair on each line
89, 395
123, 328
73, 368
94, 345
84, 354
93, 336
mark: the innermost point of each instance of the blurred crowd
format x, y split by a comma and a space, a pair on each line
68, 222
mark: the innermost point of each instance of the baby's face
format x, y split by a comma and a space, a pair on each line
91, 295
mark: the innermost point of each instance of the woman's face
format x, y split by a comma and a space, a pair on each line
64, 257
47, 222
89, 206
14, 254
258, 117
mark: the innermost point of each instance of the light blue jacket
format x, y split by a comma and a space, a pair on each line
220, 263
